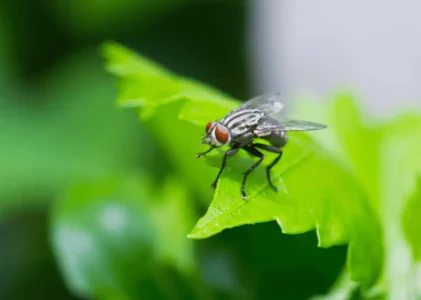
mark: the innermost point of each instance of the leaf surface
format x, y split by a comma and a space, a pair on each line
316, 189
111, 234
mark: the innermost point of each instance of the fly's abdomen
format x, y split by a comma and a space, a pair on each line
277, 138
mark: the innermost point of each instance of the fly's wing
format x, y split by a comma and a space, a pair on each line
277, 112
298, 125
267, 126
269, 103
275, 115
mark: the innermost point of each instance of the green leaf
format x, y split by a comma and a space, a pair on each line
146, 84
112, 237
166, 105
352, 137
385, 159
75, 131
317, 191
411, 220
400, 170
411, 223
105, 17
342, 289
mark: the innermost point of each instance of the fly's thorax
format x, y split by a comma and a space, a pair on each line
243, 139
242, 121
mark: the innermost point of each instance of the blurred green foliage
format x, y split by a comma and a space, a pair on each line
72, 135
95, 204
384, 157
319, 192
411, 221
98, 17
315, 192
111, 236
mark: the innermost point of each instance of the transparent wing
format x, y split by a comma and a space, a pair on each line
269, 103
277, 110
298, 125
268, 126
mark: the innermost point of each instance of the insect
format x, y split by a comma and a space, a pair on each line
260, 117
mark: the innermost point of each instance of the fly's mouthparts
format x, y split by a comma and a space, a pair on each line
204, 139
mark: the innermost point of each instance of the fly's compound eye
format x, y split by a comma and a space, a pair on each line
209, 126
221, 134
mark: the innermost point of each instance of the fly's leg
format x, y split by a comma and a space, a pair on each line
206, 152
274, 162
230, 152
255, 152
272, 149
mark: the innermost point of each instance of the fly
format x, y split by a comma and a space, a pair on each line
260, 117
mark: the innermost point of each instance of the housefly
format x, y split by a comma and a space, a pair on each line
260, 117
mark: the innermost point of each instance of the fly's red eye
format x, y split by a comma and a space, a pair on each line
221, 134
209, 126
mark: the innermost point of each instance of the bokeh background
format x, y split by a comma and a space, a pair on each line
59, 123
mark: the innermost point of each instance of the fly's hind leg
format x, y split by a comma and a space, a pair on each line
253, 151
272, 149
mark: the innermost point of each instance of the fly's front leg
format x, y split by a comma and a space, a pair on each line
198, 155
230, 152
255, 152
272, 149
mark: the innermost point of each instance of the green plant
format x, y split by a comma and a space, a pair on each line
349, 183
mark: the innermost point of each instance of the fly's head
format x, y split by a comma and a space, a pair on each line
216, 134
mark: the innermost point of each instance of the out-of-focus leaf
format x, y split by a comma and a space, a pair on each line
411, 222
400, 163
7, 59
173, 215
385, 159
351, 138
315, 191
342, 289
147, 84
74, 131
101, 17
113, 236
